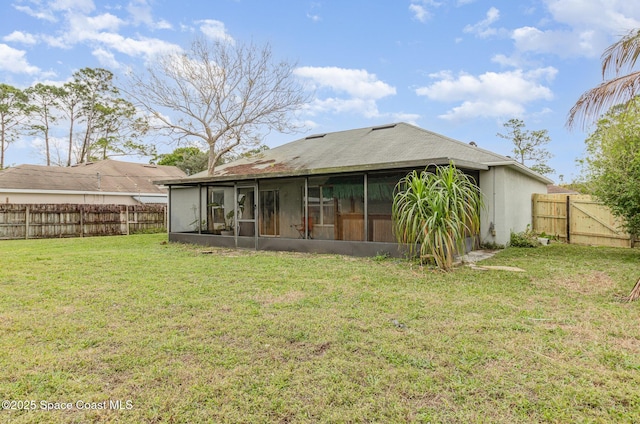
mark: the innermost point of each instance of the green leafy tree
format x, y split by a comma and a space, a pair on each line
43, 101
612, 163
101, 123
190, 159
436, 211
528, 146
231, 156
119, 131
223, 94
95, 88
69, 105
13, 113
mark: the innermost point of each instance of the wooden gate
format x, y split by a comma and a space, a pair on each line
578, 219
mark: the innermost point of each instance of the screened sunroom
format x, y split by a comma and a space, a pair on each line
333, 192
279, 213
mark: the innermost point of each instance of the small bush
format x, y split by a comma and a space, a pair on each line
153, 230
524, 239
492, 246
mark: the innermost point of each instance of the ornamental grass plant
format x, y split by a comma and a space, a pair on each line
435, 212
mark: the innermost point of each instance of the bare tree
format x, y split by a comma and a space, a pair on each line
223, 93
617, 59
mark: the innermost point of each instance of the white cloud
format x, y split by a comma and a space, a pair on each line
507, 61
314, 11
420, 13
587, 27
20, 37
215, 30
491, 94
587, 43
410, 118
420, 9
103, 22
355, 82
14, 61
106, 58
162, 24
45, 15
610, 16
55, 41
101, 32
146, 47
83, 6
362, 90
47, 10
483, 28
142, 13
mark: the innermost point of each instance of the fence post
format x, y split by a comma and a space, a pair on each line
568, 219
165, 218
26, 222
81, 220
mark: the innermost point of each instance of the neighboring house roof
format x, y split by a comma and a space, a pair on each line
554, 189
392, 146
107, 176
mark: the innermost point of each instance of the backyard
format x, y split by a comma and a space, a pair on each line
133, 329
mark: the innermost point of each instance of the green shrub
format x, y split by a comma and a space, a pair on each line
524, 239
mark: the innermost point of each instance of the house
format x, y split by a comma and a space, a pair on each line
333, 192
103, 182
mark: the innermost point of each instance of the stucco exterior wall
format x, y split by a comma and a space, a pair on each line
508, 203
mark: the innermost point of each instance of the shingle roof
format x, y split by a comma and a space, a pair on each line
554, 189
105, 176
398, 145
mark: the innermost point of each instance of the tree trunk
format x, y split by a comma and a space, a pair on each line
212, 160
70, 140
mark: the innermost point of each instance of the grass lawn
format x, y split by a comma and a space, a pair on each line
190, 334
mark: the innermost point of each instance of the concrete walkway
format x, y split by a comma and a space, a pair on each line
472, 258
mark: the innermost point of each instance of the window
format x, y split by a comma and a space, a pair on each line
321, 205
380, 191
216, 201
269, 213
336, 207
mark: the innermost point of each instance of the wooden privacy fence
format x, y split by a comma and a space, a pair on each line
26, 221
578, 219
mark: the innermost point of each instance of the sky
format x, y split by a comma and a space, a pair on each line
461, 68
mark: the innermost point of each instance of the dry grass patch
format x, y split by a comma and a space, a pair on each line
589, 283
286, 298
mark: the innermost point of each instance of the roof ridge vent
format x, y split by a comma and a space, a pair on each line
311, 137
383, 127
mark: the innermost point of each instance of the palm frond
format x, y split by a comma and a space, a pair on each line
622, 54
595, 102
